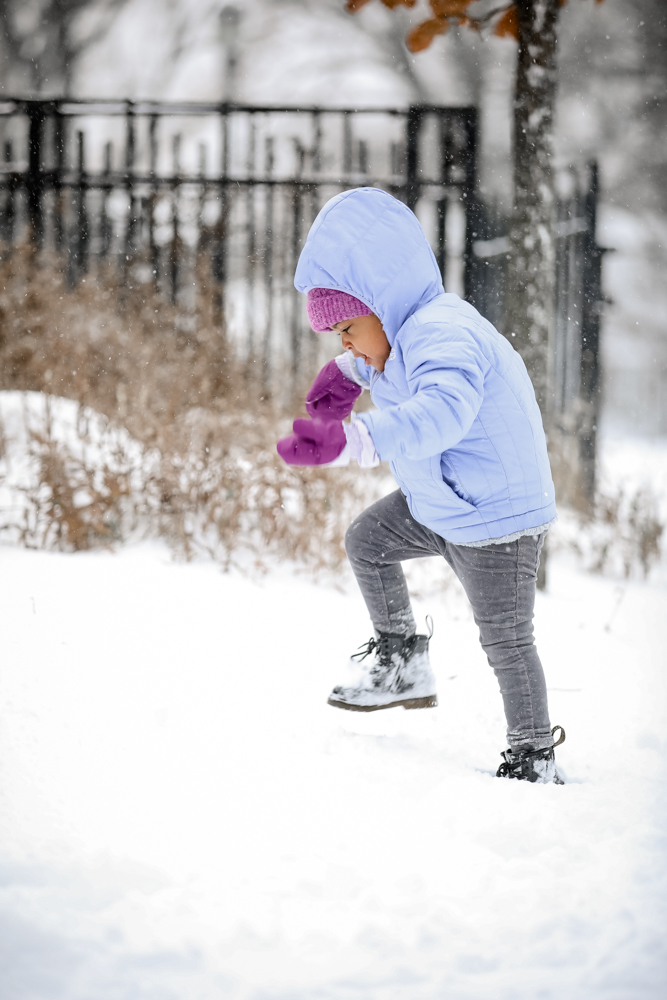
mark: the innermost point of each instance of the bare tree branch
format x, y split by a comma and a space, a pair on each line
39, 40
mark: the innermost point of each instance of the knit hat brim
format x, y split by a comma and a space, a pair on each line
328, 306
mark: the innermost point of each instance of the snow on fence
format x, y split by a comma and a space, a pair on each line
160, 186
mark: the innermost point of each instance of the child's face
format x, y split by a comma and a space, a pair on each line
365, 337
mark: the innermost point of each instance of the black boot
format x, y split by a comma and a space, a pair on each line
533, 765
395, 673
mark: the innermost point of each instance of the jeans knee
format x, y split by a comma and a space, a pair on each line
354, 539
500, 640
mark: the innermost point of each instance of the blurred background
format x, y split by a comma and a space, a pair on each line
161, 166
183, 815
611, 107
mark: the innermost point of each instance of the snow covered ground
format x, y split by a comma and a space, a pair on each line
183, 817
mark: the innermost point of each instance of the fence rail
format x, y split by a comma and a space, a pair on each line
161, 187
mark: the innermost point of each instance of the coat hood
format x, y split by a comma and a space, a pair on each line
367, 243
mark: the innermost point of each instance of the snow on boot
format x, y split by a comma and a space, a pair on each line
399, 673
533, 765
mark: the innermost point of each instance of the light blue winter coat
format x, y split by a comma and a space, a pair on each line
457, 417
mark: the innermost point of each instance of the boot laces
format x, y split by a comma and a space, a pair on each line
382, 645
512, 760
387, 669
381, 670
366, 648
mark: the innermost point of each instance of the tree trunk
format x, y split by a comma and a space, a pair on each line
529, 315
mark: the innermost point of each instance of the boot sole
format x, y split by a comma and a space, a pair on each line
431, 701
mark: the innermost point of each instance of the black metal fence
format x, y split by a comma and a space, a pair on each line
163, 188
158, 186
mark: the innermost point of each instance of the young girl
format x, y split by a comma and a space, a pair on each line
457, 420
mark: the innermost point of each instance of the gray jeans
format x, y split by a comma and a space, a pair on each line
499, 581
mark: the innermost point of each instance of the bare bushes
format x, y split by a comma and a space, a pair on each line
125, 415
67, 476
163, 432
113, 343
73, 481
621, 535
220, 487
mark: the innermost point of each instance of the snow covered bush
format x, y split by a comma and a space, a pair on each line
73, 480
621, 535
113, 343
127, 414
220, 487
68, 477
123, 414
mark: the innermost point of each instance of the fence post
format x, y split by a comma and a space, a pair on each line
470, 200
7, 217
59, 133
413, 128
174, 262
590, 339
348, 163
84, 234
78, 243
129, 183
268, 264
218, 253
152, 173
36, 111
295, 318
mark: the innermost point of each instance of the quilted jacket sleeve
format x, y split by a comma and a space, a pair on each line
445, 372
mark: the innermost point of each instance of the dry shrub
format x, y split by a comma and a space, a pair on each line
622, 534
68, 477
172, 436
221, 487
628, 531
185, 449
74, 481
114, 343
73, 506
619, 532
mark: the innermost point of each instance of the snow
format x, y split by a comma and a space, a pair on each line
85, 434
183, 816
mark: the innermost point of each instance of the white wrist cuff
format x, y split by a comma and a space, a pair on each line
360, 443
359, 447
348, 367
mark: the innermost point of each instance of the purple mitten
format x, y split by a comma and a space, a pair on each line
332, 396
314, 442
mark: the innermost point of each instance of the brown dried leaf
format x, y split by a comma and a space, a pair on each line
391, 4
508, 25
450, 8
352, 6
421, 37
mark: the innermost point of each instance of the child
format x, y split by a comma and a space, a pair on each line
457, 420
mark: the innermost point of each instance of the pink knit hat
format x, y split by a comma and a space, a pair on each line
327, 306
